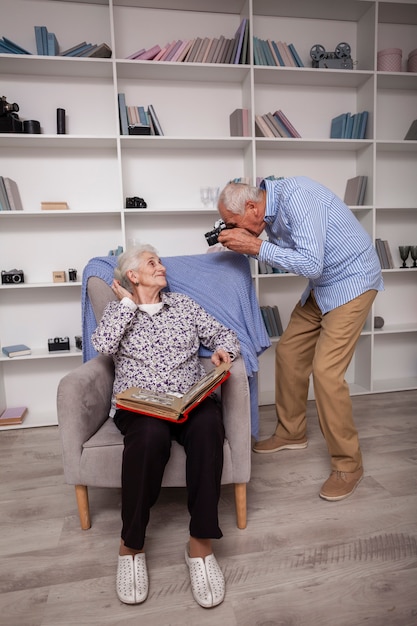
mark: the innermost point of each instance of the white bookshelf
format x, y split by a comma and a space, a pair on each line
93, 168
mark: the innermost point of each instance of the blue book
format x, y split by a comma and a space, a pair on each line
349, 126
362, 125
124, 123
241, 31
39, 40
338, 126
355, 127
277, 52
44, 32
19, 349
143, 116
81, 50
11, 44
295, 54
53, 48
267, 53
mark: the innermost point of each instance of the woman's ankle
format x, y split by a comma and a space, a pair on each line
200, 547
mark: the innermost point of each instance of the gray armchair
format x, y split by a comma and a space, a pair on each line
92, 446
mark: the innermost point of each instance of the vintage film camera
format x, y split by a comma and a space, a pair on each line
212, 236
135, 203
12, 277
9, 119
58, 343
340, 59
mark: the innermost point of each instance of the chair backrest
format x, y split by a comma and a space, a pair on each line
100, 293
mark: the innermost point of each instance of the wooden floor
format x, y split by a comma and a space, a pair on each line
301, 561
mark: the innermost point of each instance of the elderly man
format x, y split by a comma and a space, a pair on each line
312, 233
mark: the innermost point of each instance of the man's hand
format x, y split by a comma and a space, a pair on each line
240, 240
220, 356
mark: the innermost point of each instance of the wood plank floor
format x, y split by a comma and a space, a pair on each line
300, 562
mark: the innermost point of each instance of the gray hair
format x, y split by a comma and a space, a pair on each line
130, 260
235, 196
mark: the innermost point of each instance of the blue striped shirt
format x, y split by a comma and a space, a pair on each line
312, 233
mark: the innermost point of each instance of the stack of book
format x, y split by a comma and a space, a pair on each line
9, 195
355, 191
272, 320
234, 50
274, 125
384, 254
275, 53
138, 120
347, 126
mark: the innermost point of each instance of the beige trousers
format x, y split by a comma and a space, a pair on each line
322, 345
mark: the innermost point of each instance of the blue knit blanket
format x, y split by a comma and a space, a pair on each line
222, 284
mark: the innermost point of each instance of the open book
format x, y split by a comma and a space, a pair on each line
172, 406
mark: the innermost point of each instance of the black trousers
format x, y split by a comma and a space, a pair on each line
147, 447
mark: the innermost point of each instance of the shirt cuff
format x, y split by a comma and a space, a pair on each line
129, 303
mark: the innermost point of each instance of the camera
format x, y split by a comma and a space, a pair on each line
58, 343
9, 119
12, 277
72, 273
213, 235
135, 203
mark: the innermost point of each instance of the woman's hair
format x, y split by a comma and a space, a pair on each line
235, 195
130, 260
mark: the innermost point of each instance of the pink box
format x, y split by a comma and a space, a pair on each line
389, 60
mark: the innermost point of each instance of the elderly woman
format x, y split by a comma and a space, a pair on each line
154, 338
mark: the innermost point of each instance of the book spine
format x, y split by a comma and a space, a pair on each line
287, 123
123, 114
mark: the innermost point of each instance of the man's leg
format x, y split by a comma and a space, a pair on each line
341, 329
293, 365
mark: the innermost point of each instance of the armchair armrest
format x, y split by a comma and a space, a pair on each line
83, 404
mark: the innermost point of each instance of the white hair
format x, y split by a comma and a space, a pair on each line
130, 260
235, 196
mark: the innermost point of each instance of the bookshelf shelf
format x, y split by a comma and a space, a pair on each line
94, 168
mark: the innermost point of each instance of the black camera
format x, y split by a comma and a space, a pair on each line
12, 277
213, 235
72, 274
58, 343
135, 203
9, 119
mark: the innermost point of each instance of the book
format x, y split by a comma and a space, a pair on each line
14, 46
53, 47
193, 50
284, 119
274, 54
388, 253
284, 130
13, 194
172, 406
277, 317
355, 191
135, 54
169, 48
179, 50
68, 52
239, 123
363, 124
19, 349
155, 121
272, 321
271, 125
102, 51
228, 52
276, 127
295, 55
277, 53
183, 54
4, 199
210, 51
13, 415
244, 57
241, 33
266, 321
78, 50
217, 48
338, 126
149, 54
202, 50
38, 38
261, 127
382, 254
411, 132
124, 123
54, 206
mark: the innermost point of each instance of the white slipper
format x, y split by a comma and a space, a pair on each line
207, 580
132, 584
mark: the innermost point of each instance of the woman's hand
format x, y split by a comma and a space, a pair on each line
120, 291
220, 356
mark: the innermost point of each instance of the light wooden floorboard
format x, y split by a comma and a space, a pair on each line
300, 562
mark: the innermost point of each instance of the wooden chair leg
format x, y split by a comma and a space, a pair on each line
81, 493
240, 502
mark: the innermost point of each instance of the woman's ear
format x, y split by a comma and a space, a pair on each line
132, 277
